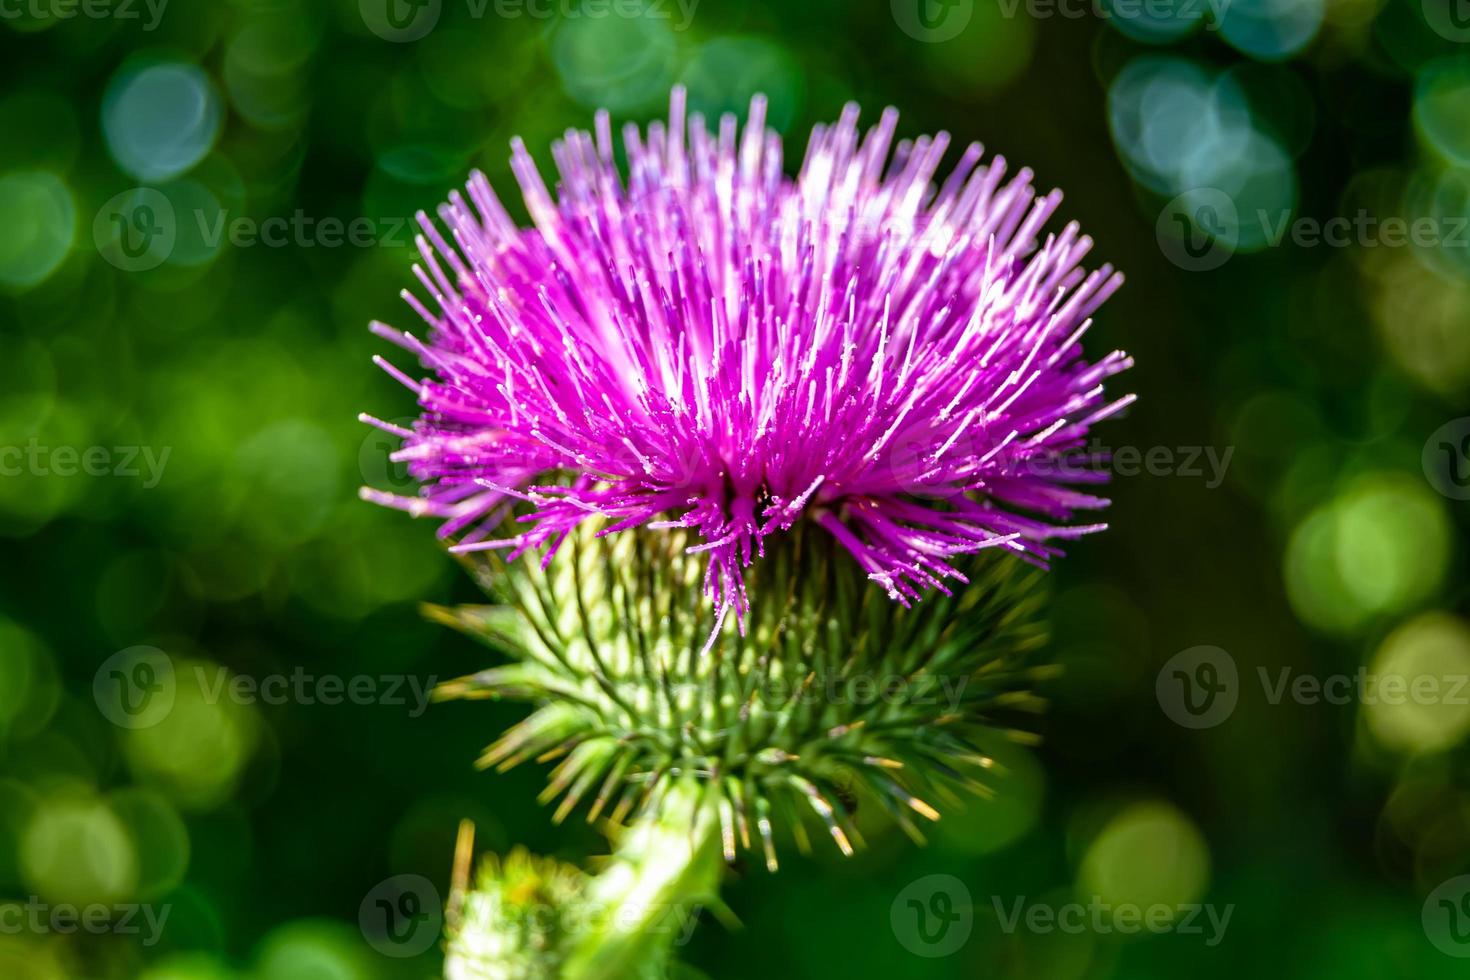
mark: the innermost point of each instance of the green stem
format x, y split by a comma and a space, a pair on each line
666, 867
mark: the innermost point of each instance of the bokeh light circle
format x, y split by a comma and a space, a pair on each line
726, 72
1159, 23
1379, 547
1427, 661
160, 120
39, 218
75, 849
1149, 854
1271, 30
1442, 107
197, 753
619, 63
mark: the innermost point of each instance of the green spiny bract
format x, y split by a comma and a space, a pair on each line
513, 924
534, 918
833, 696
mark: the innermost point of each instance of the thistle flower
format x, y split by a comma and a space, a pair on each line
716, 348
713, 388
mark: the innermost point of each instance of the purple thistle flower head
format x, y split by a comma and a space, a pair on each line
715, 346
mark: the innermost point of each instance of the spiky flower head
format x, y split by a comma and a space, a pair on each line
715, 349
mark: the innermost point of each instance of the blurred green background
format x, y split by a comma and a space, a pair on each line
180, 376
